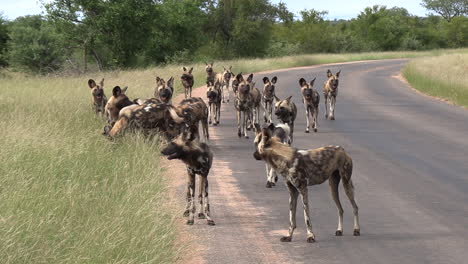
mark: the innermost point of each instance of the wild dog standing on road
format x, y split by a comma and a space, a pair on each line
164, 91
187, 81
225, 78
302, 168
311, 99
286, 112
243, 103
256, 98
235, 85
99, 98
213, 92
117, 102
268, 97
330, 91
280, 131
198, 158
210, 73
194, 111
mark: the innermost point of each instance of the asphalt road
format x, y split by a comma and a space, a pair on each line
410, 155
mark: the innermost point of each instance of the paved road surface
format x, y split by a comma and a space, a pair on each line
410, 156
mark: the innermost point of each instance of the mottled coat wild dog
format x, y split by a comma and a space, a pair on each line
213, 93
117, 102
187, 81
280, 131
256, 98
194, 111
268, 96
243, 104
99, 98
330, 92
164, 91
311, 99
224, 79
302, 168
210, 73
286, 112
235, 85
198, 158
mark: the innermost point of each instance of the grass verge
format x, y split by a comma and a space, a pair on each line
443, 76
68, 195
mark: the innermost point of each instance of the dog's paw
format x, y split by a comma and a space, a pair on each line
311, 239
210, 222
286, 239
190, 222
201, 216
186, 213
357, 232
339, 233
268, 185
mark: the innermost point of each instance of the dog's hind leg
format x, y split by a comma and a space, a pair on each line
206, 202
334, 182
349, 189
293, 194
315, 125
305, 202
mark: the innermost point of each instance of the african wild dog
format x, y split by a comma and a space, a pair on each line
243, 104
163, 90
330, 91
268, 97
302, 168
187, 81
210, 73
194, 111
235, 85
286, 112
311, 99
224, 79
117, 102
256, 99
198, 158
280, 131
213, 93
99, 98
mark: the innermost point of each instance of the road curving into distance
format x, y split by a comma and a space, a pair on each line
410, 155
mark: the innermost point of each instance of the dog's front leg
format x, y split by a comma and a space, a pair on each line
305, 202
293, 194
191, 197
206, 202
201, 183
307, 108
209, 113
239, 125
316, 112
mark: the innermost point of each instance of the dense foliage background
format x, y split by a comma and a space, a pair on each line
83, 35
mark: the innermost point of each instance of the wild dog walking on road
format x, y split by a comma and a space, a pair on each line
210, 73
243, 104
164, 91
330, 91
286, 112
224, 79
187, 81
256, 98
311, 99
198, 158
213, 93
302, 168
268, 96
280, 131
99, 98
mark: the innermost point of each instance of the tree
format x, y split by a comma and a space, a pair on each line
3, 41
448, 9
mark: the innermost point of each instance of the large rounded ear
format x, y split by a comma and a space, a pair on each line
266, 80
274, 80
289, 99
116, 91
239, 77
329, 74
184, 69
91, 83
190, 71
266, 134
272, 127
230, 67
312, 82
338, 74
302, 82
212, 63
277, 99
102, 83
250, 78
158, 80
224, 68
257, 128
124, 90
170, 82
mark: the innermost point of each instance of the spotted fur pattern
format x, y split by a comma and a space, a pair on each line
330, 92
198, 158
195, 111
286, 112
243, 104
210, 73
117, 102
213, 93
311, 99
303, 168
99, 98
268, 98
187, 81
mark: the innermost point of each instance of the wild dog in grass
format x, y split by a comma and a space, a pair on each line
268, 96
280, 131
99, 98
330, 91
151, 118
164, 91
286, 112
198, 158
213, 93
187, 81
302, 168
194, 111
243, 104
224, 79
210, 73
117, 102
311, 99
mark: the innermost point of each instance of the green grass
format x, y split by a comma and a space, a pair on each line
68, 195
444, 76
